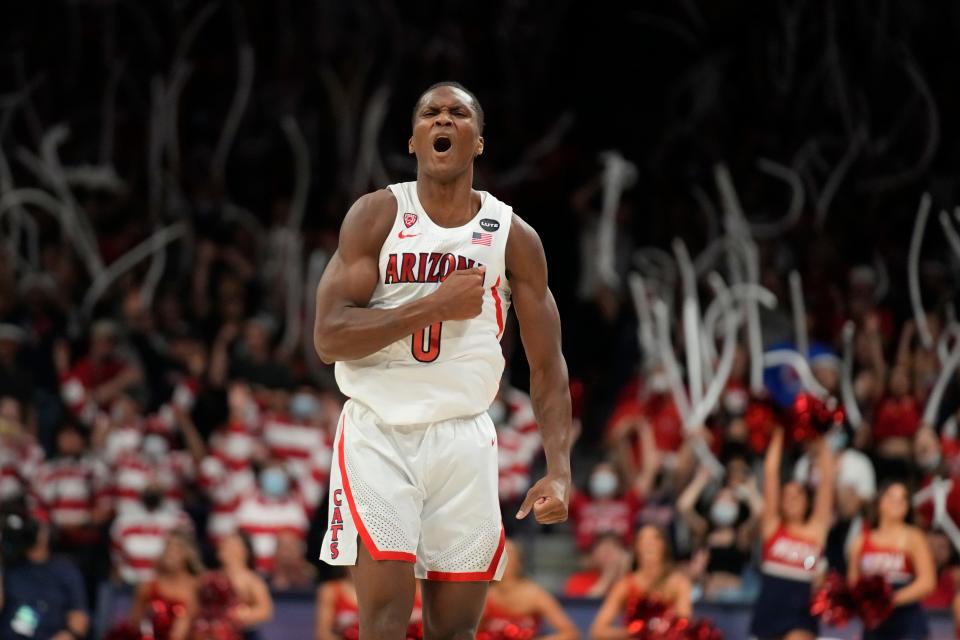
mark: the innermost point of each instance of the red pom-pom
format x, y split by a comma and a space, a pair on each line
874, 598
761, 420
813, 417
647, 618
834, 602
702, 629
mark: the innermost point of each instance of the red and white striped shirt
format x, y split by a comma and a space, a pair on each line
518, 444
138, 537
305, 451
225, 482
19, 463
263, 519
134, 472
70, 489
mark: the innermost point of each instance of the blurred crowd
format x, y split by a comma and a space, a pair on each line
171, 183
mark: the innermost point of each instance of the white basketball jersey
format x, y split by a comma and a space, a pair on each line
450, 369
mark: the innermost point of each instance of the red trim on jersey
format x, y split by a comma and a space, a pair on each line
475, 576
361, 529
496, 300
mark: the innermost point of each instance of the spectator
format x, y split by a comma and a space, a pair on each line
895, 423
227, 473
73, 490
723, 527
20, 455
291, 571
856, 487
608, 562
101, 376
139, 534
608, 508
295, 436
520, 605
165, 606
272, 508
655, 578
43, 596
518, 445
948, 571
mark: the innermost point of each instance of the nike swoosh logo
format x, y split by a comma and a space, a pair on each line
404, 236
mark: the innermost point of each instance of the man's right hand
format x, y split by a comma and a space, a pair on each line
460, 296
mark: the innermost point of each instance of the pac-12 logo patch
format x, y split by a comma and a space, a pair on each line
410, 219
489, 225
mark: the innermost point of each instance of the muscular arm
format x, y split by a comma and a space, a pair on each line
549, 386
345, 329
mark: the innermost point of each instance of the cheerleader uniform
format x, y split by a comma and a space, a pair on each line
498, 623
346, 614
906, 622
788, 568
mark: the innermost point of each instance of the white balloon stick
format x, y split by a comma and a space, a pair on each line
913, 273
799, 314
854, 417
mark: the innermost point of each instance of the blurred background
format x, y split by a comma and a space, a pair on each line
172, 179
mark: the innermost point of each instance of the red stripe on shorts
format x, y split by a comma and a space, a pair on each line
475, 576
361, 529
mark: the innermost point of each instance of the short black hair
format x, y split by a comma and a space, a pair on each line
456, 85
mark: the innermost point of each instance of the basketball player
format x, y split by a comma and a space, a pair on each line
412, 308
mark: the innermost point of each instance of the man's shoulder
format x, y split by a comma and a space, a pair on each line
374, 207
368, 222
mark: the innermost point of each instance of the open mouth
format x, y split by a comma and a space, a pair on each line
441, 144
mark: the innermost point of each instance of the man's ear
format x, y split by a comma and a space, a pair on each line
410, 145
480, 146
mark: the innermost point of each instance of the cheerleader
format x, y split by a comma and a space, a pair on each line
793, 540
338, 614
899, 552
654, 579
516, 607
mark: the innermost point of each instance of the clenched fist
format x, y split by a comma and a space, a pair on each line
460, 296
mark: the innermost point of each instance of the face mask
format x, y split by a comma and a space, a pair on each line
152, 499
930, 461
724, 513
155, 446
658, 382
273, 482
251, 414
603, 484
303, 406
497, 412
837, 440
237, 447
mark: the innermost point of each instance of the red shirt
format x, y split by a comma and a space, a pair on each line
942, 596
896, 418
580, 583
663, 416
592, 517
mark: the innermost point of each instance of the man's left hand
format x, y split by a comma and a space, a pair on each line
548, 498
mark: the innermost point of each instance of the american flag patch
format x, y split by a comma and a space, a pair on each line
482, 238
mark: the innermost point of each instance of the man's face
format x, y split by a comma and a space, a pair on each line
446, 135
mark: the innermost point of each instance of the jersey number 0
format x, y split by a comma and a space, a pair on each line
425, 345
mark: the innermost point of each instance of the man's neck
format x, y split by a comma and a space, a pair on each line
449, 204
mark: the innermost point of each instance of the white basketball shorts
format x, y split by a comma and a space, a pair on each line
424, 494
